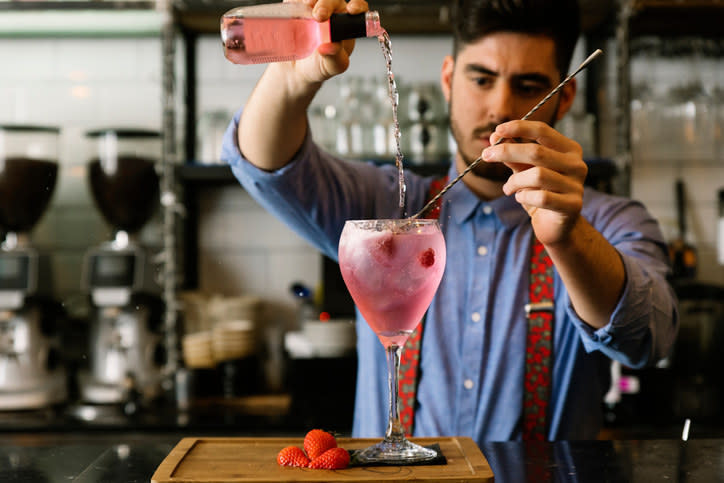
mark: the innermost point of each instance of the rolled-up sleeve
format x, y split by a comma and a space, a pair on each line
644, 323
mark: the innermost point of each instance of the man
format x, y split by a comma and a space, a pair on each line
611, 298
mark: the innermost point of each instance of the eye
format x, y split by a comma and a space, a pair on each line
482, 81
530, 88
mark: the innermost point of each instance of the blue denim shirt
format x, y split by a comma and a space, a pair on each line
473, 344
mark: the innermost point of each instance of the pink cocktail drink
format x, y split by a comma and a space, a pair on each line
392, 272
392, 269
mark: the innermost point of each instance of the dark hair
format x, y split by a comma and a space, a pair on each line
557, 19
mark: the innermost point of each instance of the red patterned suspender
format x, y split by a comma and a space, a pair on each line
539, 344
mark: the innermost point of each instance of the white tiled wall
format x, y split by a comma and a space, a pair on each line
82, 84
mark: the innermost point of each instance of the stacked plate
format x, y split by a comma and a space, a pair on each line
202, 311
195, 310
232, 308
233, 339
197, 350
332, 338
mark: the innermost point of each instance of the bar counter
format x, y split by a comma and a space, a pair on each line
118, 457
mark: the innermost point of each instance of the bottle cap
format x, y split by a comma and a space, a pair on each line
345, 26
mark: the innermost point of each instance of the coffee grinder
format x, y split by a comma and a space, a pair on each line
31, 376
126, 350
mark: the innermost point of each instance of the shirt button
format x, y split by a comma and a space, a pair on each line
487, 209
468, 384
475, 317
482, 250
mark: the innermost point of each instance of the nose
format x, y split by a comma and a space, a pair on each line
500, 107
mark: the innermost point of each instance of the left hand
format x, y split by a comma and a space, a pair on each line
548, 175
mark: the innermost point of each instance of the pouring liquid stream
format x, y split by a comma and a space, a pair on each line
386, 46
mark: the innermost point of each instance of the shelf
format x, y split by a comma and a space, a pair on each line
205, 174
215, 174
398, 16
676, 4
85, 19
67, 5
703, 18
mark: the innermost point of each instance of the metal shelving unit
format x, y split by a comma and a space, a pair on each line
662, 18
170, 200
123, 18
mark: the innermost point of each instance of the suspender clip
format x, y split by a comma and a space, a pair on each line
538, 307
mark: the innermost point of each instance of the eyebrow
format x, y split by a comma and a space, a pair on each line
527, 76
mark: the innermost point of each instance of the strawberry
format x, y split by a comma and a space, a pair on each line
317, 442
293, 456
332, 459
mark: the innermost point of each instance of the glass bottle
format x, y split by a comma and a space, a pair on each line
260, 34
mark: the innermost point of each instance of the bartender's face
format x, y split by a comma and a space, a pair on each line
499, 78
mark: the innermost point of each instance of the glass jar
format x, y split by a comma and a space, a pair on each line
28, 174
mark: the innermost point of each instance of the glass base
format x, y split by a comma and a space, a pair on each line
388, 451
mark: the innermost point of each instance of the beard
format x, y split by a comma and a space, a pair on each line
497, 172
489, 171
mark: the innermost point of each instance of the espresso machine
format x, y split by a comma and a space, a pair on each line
126, 352
31, 373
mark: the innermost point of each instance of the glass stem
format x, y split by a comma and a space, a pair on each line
394, 433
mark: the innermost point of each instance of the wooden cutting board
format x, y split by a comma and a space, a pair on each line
235, 460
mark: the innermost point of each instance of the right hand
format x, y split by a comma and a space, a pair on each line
332, 58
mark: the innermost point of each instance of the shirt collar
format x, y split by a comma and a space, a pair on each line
463, 204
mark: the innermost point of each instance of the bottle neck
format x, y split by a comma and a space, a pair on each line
345, 26
373, 25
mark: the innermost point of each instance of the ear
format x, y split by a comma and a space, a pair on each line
568, 94
446, 74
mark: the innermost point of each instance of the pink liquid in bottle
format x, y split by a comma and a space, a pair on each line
264, 40
392, 275
286, 31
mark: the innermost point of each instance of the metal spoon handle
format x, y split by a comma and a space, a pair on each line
472, 165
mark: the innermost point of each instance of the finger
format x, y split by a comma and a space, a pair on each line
334, 48
560, 202
321, 12
323, 9
537, 178
357, 6
329, 48
348, 46
525, 155
517, 167
538, 132
334, 63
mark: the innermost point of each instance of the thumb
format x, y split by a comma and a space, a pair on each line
334, 58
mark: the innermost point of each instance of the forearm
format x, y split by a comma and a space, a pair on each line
592, 272
274, 122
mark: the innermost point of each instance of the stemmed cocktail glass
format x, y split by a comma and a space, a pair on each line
392, 269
